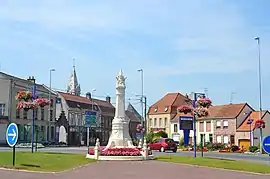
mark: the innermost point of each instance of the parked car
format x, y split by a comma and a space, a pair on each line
163, 144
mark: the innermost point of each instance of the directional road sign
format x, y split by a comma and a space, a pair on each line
266, 144
12, 134
90, 118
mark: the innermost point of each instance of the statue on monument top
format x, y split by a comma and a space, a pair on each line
120, 80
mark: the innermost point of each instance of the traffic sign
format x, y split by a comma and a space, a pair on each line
186, 122
90, 118
138, 135
12, 134
266, 144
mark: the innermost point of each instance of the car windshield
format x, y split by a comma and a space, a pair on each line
169, 140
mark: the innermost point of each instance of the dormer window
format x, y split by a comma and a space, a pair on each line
156, 109
166, 109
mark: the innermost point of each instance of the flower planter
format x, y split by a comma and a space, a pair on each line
204, 102
184, 109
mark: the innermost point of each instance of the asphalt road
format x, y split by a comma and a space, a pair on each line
233, 156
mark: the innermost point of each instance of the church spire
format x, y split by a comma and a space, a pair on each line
73, 85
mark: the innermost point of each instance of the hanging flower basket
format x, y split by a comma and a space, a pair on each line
204, 102
42, 102
259, 124
184, 109
24, 96
26, 105
140, 128
201, 112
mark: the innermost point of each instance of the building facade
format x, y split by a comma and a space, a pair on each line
44, 119
247, 134
70, 115
163, 111
221, 123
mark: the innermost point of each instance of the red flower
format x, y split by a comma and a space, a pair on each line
42, 102
24, 95
204, 102
184, 109
118, 152
260, 124
26, 105
201, 111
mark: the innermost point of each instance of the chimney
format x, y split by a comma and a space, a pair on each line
88, 95
108, 99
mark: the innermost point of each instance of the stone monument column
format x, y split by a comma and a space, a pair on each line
120, 137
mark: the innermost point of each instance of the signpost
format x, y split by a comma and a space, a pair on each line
12, 138
90, 121
266, 145
138, 135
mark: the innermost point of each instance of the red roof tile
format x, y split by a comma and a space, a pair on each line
170, 102
81, 99
225, 111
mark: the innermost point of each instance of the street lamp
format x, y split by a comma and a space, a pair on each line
260, 87
49, 111
142, 97
249, 122
33, 81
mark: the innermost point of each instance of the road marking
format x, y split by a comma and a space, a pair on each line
13, 135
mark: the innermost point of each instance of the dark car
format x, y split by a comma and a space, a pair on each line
163, 144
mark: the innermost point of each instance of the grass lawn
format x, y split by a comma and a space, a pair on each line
40, 161
218, 163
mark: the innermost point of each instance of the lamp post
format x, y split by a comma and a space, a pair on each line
260, 87
50, 94
249, 122
142, 100
33, 81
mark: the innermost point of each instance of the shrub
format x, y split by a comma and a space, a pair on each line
181, 142
161, 134
253, 149
215, 146
234, 148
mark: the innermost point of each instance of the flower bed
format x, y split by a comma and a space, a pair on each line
119, 152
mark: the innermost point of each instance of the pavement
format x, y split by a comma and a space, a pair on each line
134, 170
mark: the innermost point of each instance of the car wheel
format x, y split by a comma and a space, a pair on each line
162, 149
175, 150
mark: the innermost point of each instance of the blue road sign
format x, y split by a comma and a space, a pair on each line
186, 123
12, 134
90, 118
266, 144
138, 135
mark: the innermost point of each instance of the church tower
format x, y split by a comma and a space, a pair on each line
73, 85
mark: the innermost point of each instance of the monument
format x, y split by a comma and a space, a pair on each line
120, 146
120, 137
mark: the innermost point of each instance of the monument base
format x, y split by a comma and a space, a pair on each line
121, 158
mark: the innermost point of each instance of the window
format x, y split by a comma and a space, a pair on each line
225, 139
25, 114
175, 128
232, 139
2, 109
166, 109
160, 122
150, 122
218, 139
79, 120
155, 122
18, 114
76, 119
218, 125
201, 127
36, 113
51, 104
208, 126
156, 109
211, 138
51, 115
42, 114
225, 124
165, 122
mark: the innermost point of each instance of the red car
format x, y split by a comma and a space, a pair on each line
163, 144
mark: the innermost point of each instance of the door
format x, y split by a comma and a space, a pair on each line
244, 144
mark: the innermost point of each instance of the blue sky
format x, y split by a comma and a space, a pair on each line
183, 46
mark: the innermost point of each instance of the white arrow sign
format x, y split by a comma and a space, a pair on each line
13, 135
267, 144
